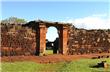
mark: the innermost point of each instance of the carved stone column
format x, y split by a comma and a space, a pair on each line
42, 41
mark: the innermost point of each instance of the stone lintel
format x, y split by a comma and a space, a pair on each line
65, 27
42, 25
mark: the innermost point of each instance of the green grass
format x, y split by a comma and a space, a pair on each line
48, 52
82, 65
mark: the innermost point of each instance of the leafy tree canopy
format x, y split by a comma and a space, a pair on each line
13, 20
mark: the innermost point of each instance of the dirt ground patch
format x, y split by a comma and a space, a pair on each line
52, 58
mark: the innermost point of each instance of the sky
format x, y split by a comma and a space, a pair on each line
92, 14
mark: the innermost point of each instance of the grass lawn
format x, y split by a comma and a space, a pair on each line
48, 52
82, 65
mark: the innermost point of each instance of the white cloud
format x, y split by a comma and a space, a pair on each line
99, 15
91, 22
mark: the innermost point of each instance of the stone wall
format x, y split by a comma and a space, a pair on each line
17, 40
83, 41
23, 40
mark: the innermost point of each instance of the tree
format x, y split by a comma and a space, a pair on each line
13, 20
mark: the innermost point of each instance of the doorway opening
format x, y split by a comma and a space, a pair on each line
52, 40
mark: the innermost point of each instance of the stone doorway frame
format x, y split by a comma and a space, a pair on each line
41, 36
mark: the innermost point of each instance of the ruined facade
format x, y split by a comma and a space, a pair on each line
82, 41
41, 30
30, 39
17, 40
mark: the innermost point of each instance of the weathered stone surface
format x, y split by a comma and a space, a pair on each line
17, 41
83, 41
30, 39
20, 40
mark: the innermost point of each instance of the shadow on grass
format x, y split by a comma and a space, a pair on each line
99, 65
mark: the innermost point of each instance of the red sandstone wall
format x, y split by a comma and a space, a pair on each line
82, 41
17, 40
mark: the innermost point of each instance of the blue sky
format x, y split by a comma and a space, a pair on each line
53, 11
83, 14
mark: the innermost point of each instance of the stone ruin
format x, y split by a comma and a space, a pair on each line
82, 41
17, 40
30, 39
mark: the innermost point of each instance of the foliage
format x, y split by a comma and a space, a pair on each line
13, 20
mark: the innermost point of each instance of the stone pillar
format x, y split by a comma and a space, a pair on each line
42, 36
63, 40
